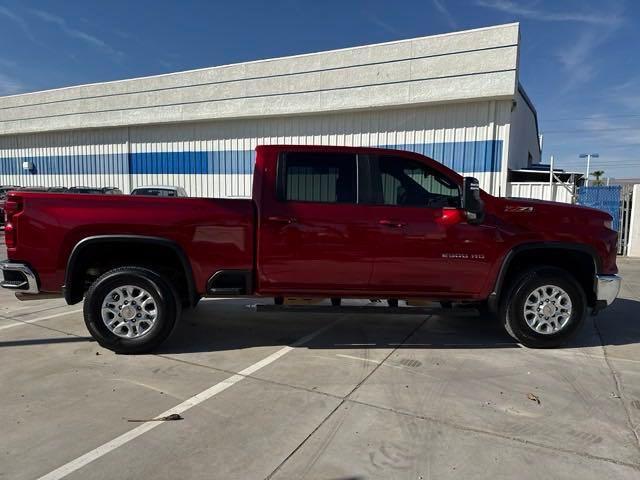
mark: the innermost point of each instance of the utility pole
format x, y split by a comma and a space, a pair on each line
551, 195
588, 156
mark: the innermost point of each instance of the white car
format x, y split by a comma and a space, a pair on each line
160, 191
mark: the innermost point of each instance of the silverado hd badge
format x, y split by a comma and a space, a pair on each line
473, 256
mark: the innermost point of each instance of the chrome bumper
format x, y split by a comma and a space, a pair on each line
18, 277
607, 288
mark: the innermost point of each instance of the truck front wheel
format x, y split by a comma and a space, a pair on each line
544, 308
131, 310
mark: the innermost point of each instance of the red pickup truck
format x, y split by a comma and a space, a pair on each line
331, 222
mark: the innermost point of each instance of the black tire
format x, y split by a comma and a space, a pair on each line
190, 306
512, 314
163, 295
485, 311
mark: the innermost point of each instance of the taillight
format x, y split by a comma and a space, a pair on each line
11, 207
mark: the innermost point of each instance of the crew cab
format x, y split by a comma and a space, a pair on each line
330, 222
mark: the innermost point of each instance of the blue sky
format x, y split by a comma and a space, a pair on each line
580, 60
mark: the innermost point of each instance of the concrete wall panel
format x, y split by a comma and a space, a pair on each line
471, 65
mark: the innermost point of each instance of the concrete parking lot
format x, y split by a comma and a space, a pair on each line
319, 397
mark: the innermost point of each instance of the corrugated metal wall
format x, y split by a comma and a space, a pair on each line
215, 159
83, 158
540, 191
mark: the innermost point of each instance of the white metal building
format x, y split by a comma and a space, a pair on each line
454, 97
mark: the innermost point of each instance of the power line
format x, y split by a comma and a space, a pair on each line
591, 130
610, 162
608, 145
606, 162
630, 163
607, 165
594, 117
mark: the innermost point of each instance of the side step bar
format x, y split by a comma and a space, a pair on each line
226, 291
352, 309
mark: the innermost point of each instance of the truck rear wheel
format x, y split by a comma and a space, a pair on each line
131, 310
544, 308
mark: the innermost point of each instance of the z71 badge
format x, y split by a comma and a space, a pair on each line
517, 209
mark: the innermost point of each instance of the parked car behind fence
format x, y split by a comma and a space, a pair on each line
96, 190
160, 191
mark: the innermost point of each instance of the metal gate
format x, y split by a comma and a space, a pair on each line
626, 197
616, 201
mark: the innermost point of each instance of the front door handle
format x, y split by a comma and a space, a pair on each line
392, 223
283, 220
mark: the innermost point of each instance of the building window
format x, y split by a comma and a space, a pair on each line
321, 177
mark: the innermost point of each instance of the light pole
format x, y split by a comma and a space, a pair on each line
588, 156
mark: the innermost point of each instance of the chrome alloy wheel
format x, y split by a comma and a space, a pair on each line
129, 311
547, 309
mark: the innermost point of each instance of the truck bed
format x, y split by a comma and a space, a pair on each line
214, 234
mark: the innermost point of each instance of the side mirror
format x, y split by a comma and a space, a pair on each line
471, 201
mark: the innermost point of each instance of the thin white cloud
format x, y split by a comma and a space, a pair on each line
20, 22
577, 58
444, 11
75, 33
377, 21
6, 63
602, 135
612, 132
626, 95
9, 85
530, 12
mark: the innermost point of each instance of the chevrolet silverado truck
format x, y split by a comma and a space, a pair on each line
326, 222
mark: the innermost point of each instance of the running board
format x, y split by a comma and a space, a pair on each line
348, 309
226, 291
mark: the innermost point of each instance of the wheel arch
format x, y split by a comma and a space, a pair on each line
74, 287
521, 255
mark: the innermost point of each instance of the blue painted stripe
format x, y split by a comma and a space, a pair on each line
463, 157
193, 162
67, 164
169, 162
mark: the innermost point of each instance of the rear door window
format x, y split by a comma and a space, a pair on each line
320, 177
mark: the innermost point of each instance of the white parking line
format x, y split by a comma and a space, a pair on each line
362, 359
41, 319
111, 445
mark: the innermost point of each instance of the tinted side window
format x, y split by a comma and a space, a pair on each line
406, 182
320, 177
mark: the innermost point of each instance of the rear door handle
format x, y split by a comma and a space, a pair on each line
392, 223
283, 220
